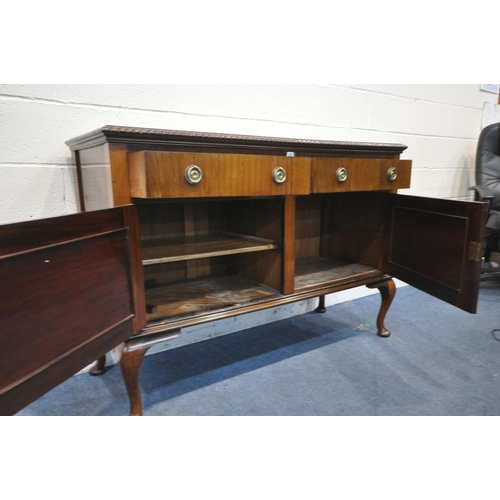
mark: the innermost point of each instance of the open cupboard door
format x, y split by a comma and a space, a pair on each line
70, 291
436, 246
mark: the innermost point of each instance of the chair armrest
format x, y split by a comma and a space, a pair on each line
482, 193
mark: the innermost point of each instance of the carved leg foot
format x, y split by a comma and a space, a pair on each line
130, 364
132, 354
98, 367
321, 306
387, 290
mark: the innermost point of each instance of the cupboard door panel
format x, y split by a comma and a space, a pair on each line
435, 245
67, 298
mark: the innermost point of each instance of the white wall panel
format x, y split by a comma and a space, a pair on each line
287, 103
342, 107
216, 100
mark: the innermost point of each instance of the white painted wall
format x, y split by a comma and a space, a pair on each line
440, 125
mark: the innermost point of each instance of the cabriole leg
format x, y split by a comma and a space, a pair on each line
130, 364
321, 306
98, 367
387, 291
132, 354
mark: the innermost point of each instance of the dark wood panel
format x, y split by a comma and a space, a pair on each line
131, 221
364, 247
265, 268
161, 220
45, 232
435, 245
29, 235
27, 390
61, 302
165, 273
262, 217
418, 251
355, 225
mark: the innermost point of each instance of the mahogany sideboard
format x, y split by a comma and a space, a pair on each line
182, 228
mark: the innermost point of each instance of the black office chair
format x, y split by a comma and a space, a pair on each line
487, 189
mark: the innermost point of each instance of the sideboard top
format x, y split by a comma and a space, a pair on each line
148, 137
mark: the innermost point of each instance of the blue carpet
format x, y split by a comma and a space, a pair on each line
438, 361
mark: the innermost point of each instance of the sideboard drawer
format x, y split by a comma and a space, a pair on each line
161, 174
359, 174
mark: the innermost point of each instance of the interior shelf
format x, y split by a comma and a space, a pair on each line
196, 296
311, 272
189, 248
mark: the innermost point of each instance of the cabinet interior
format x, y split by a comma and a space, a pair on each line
204, 255
200, 256
338, 239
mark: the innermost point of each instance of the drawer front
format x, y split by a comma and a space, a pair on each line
359, 174
159, 174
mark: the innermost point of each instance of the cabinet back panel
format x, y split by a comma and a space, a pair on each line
178, 271
258, 217
355, 227
161, 220
265, 268
165, 273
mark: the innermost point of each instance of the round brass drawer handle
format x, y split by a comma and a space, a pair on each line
279, 175
193, 174
341, 174
392, 174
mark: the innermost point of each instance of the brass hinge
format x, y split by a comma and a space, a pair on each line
475, 251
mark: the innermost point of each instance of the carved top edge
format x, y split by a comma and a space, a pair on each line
131, 135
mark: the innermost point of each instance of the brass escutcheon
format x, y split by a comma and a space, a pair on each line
392, 173
279, 175
341, 174
193, 174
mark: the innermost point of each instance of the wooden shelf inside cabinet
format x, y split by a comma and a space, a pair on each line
198, 296
319, 271
199, 247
